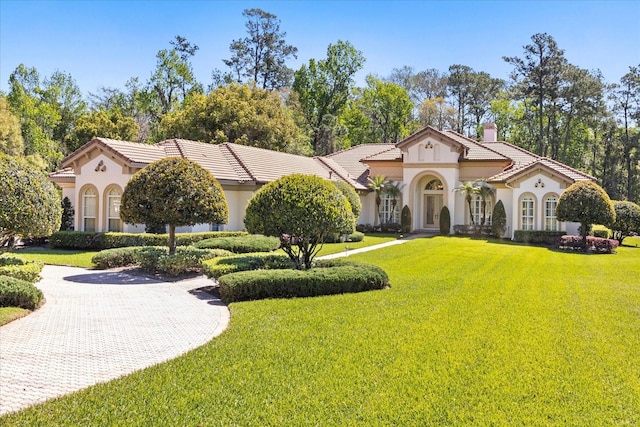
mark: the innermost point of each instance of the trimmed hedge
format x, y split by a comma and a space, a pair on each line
99, 241
116, 257
19, 293
356, 236
261, 284
217, 267
18, 268
538, 236
241, 244
157, 259
600, 233
596, 245
472, 230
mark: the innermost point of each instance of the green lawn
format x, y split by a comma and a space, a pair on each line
369, 240
470, 333
9, 314
75, 258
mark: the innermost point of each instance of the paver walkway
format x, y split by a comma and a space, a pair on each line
100, 325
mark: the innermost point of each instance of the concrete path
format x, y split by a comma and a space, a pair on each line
99, 325
374, 247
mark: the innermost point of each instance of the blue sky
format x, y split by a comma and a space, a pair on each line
104, 43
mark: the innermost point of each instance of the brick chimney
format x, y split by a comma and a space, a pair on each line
490, 132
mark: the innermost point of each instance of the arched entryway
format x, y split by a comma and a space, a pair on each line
432, 202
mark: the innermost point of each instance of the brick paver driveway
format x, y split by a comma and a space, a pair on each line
99, 325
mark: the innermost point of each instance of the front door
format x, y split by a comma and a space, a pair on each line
432, 207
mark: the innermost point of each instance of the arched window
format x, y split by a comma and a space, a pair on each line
113, 210
527, 212
434, 184
550, 205
89, 209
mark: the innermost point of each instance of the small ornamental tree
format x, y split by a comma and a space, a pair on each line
176, 192
29, 204
627, 220
301, 210
405, 219
587, 203
498, 219
445, 221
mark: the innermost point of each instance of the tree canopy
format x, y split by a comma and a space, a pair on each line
237, 113
587, 203
176, 192
29, 204
627, 219
300, 210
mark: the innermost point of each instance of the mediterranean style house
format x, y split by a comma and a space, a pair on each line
428, 166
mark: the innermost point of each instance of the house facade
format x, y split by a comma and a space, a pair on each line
427, 166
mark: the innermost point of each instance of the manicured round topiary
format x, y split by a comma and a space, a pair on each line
300, 210
587, 203
30, 205
174, 191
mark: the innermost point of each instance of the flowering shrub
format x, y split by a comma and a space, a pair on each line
597, 245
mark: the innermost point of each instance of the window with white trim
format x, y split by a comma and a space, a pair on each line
386, 207
527, 213
476, 208
89, 201
550, 219
113, 210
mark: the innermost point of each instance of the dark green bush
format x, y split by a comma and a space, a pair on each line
241, 244
538, 236
186, 259
116, 257
405, 219
445, 221
604, 234
99, 241
18, 268
342, 278
19, 293
214, 268
498, 220
356, 236
156, 258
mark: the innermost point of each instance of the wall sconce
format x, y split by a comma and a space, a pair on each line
539, 183
101, 167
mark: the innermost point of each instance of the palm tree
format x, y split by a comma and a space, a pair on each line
484, 190
377, 183
467, 190
394, 190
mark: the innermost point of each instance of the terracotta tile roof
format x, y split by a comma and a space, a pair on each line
135, 152
62, 173
337, 172
390, 154
519, 155
569, 173
266, 165
213, 157
350, 158
474, 149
